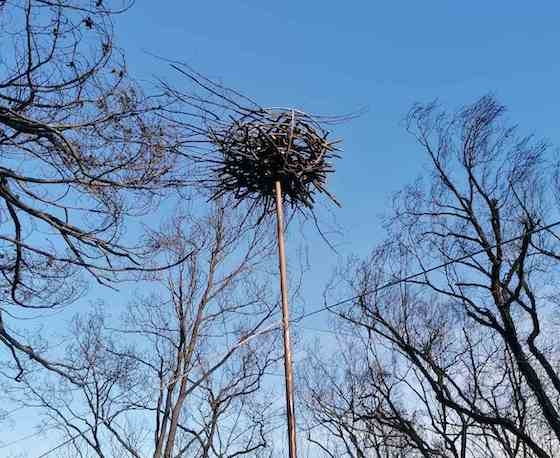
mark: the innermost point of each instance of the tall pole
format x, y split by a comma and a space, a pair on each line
288, 370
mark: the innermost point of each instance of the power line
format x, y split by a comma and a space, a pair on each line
62, 444
21, 439
6, 415
422, 273
24, 438
243, 341
353, 298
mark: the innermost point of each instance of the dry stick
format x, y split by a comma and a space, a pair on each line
288, 370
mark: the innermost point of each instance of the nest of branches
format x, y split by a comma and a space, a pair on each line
266, 146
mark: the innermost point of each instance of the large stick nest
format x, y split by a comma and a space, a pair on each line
265, 146
240, 149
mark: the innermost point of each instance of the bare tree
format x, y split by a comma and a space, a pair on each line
182, 375
462, 360
83, 150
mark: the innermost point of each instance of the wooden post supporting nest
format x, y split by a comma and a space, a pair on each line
288, 370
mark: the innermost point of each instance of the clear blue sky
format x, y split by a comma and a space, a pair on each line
335, 57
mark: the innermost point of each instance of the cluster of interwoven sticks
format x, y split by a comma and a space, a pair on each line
266, 146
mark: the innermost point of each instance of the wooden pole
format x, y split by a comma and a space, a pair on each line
288, 369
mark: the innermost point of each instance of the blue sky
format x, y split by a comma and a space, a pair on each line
337, 57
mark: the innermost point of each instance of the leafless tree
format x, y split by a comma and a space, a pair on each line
82, 151
462, 360
182, 375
